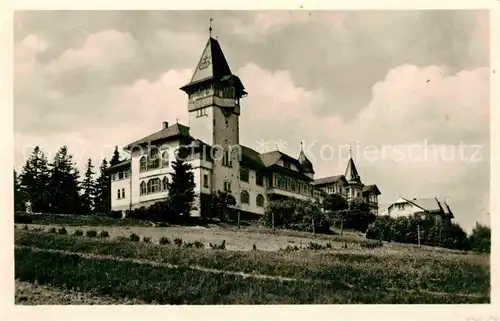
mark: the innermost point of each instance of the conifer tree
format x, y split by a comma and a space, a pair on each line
116, 157
34, 180
181, 192
88, 188
64, 187
18, 198
103, 189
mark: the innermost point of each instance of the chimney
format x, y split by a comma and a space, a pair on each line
414, 198
165, 124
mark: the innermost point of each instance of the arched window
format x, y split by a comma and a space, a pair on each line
165, 183
119, 194
154, 185
144, 165
164, 159
123, 193
154, 158
143, 188
244, 174
245, 198
260, 200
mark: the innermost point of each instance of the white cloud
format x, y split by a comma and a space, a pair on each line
101, 51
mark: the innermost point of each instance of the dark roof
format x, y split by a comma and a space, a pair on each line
371, 189
213, 66
170, 132
123, 163
251, 158
351, 173
305, 164
329, 180
289, 172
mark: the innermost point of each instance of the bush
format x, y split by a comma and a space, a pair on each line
115, 214
62, 230
25, 227
104, 234
22, 218
290, 248
91, 233
370, 244
480, 239
297, 215
178, 241
146, 239
134, 237
221, 246
198, 245
52, 230
122, 238
164, 240
78, 232
314, 246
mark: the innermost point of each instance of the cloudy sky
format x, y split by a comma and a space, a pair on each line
408, 89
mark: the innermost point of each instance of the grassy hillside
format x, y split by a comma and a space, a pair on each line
138, 270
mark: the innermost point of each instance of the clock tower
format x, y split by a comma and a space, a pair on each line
214, 109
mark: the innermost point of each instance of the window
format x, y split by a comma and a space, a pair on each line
245, 198
287, 164
226, 158
259, 179
164, 159
260, 200
127, 173
119, 195
205, 180
154, 160
153, 185
143, 164
143, 188
165, 183
123, 193
121, 175
201, 112
244, 174
227, 186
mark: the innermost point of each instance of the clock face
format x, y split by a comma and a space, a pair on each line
205, 62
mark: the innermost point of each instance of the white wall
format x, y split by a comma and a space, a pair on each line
123, 203
202, 127
253, 190
408, 210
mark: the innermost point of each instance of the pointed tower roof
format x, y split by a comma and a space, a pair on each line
305, 163
213, 66
351, 173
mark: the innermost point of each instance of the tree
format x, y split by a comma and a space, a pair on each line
219, 203
63, 186
480, 239
116, 157
18, 197
102, 201
335, 202
34, 180
181, 192
89, 189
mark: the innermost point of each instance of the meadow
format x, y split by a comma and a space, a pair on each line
304, 269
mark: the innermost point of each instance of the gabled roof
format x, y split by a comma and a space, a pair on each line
251, 158
213, 66
351, 173
329, 180
171, 132
431, 205
371, 189
271, 158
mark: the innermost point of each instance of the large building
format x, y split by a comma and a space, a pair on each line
219, 162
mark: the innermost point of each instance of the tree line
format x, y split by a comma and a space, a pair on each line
57, 186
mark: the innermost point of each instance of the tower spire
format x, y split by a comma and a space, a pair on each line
350, 150
210, 27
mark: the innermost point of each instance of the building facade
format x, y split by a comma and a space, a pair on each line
219, 161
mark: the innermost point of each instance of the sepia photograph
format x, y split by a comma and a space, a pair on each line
239, 157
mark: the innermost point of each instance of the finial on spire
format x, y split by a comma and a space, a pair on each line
350, 150
210, 26
177, 120
301, 145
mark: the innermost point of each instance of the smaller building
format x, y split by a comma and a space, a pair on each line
408, 207
348, 186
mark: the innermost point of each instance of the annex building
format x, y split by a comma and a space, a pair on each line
219, 162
